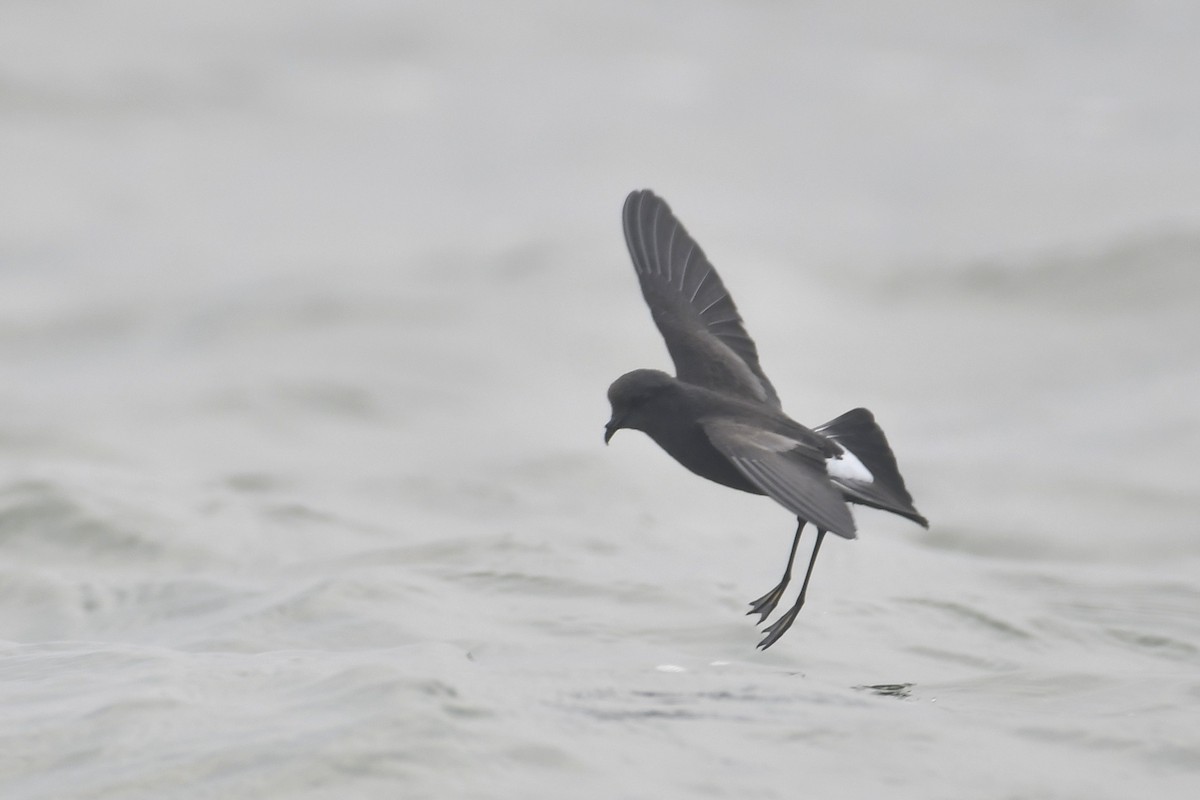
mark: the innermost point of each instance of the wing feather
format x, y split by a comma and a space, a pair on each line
790, 472
691, 307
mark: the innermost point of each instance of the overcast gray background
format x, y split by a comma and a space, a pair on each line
307, 311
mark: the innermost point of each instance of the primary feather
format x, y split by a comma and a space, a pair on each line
691, 307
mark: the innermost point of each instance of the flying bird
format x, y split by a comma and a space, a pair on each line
720, 417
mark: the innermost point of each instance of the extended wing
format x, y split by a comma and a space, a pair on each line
690, 306
788, 471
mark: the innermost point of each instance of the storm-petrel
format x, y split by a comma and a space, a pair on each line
721, 418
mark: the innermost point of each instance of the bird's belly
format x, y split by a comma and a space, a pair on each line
693, 450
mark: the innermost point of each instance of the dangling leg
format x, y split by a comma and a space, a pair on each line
766, 604
783, 623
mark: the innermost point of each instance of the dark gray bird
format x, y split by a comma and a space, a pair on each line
721, 418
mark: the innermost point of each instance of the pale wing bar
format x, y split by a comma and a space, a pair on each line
789, 472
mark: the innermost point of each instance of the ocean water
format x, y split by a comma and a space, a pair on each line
307, 312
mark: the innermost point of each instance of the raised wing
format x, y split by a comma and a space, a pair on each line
790, 472
690, 306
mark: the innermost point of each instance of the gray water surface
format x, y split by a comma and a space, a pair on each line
307, 312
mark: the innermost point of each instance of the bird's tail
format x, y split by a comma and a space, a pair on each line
858, 432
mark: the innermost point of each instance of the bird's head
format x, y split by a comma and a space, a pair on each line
631, 396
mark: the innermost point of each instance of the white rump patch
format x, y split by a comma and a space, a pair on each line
847, 467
